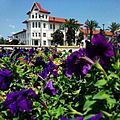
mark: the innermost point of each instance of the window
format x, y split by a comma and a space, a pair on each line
33, 24
51, 34
44, 25
35, 15
36, 34
43, 16
36, 9
39, 24
39, 34
36, 42
44, 42
33, 34
50, 26
40, 16
46, 16
36, 24
32, 16
44, 34
53, 26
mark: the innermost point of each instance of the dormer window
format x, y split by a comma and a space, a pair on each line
35, 15
32, 16
36, 9
40, 16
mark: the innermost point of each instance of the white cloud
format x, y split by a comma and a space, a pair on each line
12, 33
0, 36
12, 26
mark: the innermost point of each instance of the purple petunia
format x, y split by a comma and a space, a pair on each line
75, 64
96, 117
49, 88
100, 49
5, 79
78, 118
19, 101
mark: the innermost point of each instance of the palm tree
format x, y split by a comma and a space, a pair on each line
114, 26
91, 25
72, 26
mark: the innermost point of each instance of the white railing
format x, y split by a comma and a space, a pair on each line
73, 48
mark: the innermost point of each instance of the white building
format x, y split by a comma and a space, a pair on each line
39, 27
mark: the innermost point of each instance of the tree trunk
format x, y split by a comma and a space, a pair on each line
91, 33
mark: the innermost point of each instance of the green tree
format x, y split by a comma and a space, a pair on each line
14, 42
2, 41
80, 37
58, 37
114, 26
72, 26
91, 25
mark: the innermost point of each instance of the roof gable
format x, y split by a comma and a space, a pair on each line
38, 6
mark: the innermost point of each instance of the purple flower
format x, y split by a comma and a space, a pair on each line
1, 55
96, 117
78, 118
19, 101
100, 49
31, 52
74, 64
43, 74
52, 68
39, 61
5, 79
49, 89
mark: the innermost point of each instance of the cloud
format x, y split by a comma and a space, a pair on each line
12, 33
0, 36
12, 26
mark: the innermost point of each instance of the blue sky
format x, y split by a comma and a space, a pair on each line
13, 12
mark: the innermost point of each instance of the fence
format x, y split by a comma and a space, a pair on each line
73, 48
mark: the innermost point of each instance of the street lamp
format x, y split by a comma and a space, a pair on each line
103, 26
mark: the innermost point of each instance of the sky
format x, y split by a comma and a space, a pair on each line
13, 12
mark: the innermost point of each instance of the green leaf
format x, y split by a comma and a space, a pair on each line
100, 83
106, 113
101, 95
87, 104
111, 102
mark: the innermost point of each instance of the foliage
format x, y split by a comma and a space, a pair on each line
58, 37
91, 25
14, 42
72, 26
80, 37
114, 26
3, 41
43, 88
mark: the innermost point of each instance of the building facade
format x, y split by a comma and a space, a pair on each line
39, 27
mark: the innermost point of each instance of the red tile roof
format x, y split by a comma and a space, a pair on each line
85, 31
40, 8
55, 19
108, 33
